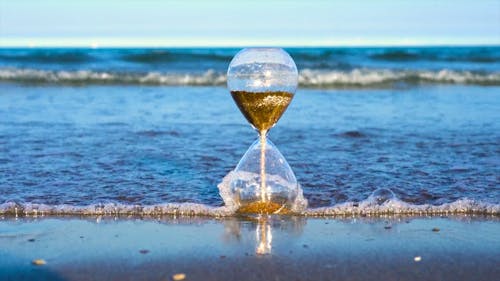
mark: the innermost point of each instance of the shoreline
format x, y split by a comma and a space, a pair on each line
233, 248
370, 207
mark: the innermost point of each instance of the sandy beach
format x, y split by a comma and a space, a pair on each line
296, 248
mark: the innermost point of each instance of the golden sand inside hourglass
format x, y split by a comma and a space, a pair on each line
262, 109
263, 208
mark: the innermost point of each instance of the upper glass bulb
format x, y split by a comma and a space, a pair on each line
262, 82
262, 70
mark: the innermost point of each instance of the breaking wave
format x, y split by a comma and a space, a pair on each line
385, 77
313, 78
209, 77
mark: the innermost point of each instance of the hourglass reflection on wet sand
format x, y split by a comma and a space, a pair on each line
262, 225
263, 82
263, 236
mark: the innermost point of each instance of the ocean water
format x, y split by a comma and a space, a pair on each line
154, 131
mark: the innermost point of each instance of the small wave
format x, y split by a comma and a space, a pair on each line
481, 55
352, 134
397, 55
49, 57
164, 56
313, 78
150, 57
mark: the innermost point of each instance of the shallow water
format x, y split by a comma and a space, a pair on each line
372, 130
123, 146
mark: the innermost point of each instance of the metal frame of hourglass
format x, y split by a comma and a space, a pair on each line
262, 82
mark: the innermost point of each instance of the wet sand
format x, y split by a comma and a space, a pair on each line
295, 248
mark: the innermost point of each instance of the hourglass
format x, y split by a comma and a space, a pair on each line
263, 82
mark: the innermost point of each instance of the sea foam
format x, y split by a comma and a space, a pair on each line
369, 206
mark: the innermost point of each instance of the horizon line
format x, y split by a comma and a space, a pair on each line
241, 46
235, 43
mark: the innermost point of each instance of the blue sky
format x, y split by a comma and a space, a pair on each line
242, 23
